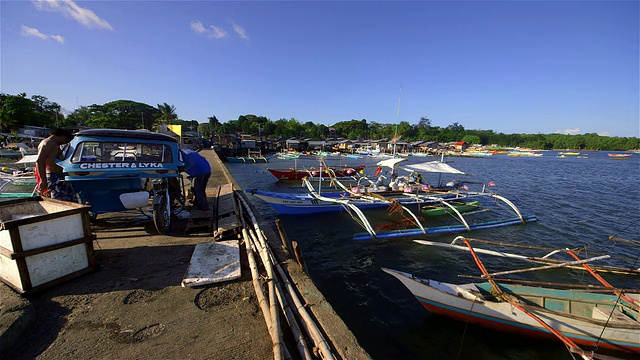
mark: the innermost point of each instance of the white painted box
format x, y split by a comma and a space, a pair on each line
44, 242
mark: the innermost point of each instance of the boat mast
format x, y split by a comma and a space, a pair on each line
395, 138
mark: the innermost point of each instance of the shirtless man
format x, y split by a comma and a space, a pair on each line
49, 174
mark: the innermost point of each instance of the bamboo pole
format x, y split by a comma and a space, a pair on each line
262, 301
273, 311
293, 323
284, 303
575, 287
545, 248
270, 258
555, 266
309, 324
283, 236
543, 260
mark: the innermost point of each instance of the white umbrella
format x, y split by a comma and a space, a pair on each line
434, 167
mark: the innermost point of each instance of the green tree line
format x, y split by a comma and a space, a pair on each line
19, 110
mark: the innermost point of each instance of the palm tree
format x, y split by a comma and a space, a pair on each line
214, 123
167, 113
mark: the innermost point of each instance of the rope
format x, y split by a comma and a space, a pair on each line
620, 294
501, 296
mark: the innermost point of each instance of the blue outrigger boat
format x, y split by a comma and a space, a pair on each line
364, 197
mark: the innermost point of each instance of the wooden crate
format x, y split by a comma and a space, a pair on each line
44, 242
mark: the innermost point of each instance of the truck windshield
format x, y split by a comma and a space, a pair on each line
94, 151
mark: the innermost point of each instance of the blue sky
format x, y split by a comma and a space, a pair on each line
512, 67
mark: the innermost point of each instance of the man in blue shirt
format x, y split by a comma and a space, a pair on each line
199, 171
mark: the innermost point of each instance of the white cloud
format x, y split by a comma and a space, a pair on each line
70, 9
57, 38
569, 131
197, 27
29, 31
217, 32
604, 133
213, 32
240, 30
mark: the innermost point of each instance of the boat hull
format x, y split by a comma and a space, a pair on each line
441, 210
302, 204
457, 301
294, 174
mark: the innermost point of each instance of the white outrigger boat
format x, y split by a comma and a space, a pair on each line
18, 178
402, 193
578, 315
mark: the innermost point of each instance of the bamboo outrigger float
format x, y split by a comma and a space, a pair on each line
545, 259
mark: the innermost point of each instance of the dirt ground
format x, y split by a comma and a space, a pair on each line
133, 306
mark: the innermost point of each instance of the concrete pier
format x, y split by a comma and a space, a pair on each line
134, 307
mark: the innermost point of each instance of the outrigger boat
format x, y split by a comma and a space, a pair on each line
578, 317
594, 319
401, 193
23, 177
619, 156
459, 188
312, 202
299, 174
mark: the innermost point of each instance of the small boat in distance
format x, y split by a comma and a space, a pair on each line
619, 156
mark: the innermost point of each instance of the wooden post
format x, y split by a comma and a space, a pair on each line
283, 237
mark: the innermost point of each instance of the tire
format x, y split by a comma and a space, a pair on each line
162, 215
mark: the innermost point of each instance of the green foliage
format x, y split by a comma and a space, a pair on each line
121, 114
205, 130
472, 139
166, 114
19, 110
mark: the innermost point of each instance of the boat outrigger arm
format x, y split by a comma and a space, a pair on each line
417, 198
349, 206
343, 202
505, 200
465, 227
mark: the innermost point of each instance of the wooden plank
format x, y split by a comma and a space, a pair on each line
213, 262
200, 220
227, 219
226, 200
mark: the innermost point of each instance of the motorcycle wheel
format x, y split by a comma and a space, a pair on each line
162, 215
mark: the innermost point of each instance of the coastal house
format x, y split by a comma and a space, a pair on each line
345, 145
33, 132
318, 145
293, 145
461, 145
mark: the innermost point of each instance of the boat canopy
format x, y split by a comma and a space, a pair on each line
390, 163
434, 167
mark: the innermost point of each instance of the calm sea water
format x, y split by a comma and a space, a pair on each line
578, 202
